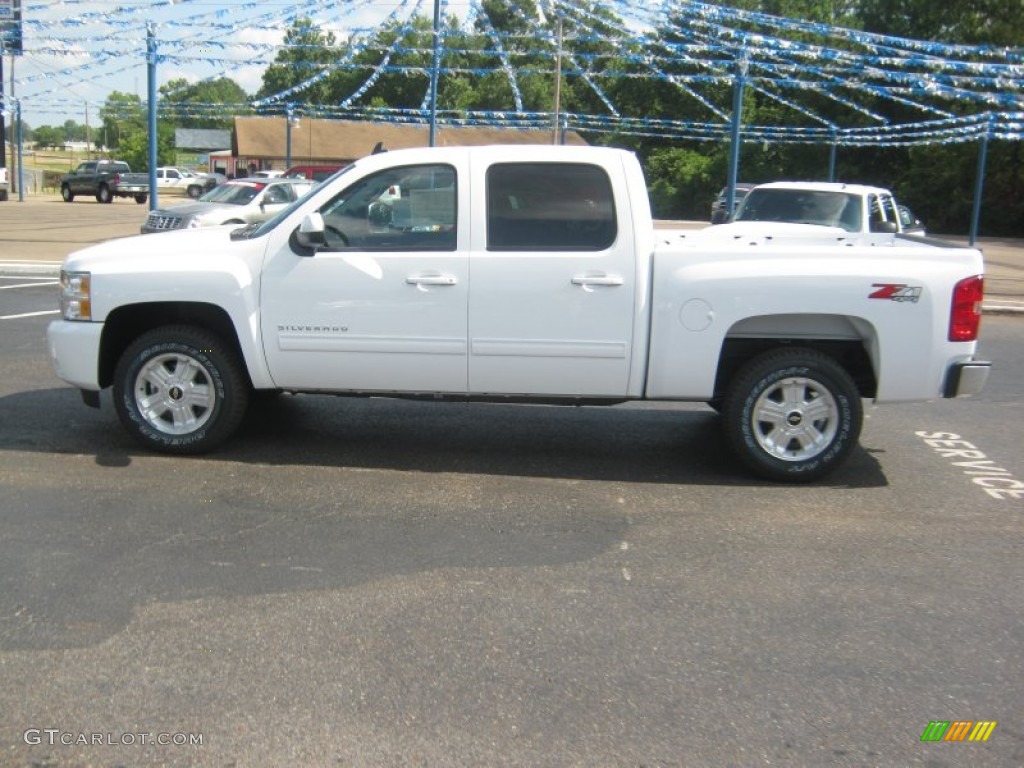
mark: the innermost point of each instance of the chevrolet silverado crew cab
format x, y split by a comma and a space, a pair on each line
514, 274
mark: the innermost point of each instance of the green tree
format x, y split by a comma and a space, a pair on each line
47, 136
306, 51
134, 147
991, 22
207, 104
121, 115
73, 131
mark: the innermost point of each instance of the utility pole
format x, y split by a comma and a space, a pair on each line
434, 73
289, 123
558, 84
15, 165
3, 104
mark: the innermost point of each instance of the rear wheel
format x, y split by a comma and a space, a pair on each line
180, 389
104, 195
792, 415
141, 199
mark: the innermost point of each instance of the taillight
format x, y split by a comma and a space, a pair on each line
965, 314
117, 178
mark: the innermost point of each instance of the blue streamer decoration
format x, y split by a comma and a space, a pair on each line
958, 93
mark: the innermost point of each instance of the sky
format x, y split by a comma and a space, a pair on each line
77, 52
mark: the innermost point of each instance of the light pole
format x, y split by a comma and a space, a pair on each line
291, 121
558, 86
434, 73
742, 66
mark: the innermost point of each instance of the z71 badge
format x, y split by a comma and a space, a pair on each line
896, 292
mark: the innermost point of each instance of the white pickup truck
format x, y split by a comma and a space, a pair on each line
506, 274
853, 214
168, 178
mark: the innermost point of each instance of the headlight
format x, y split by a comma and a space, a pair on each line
76, 295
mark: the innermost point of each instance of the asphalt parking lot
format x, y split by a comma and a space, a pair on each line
389, 583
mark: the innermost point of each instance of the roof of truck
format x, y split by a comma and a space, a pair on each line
826, 186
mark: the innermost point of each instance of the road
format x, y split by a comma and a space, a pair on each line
387, 583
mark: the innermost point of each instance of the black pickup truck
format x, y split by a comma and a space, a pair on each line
105, 180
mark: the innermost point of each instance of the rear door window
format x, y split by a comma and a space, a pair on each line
549, 207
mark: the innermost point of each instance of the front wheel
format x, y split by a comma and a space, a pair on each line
66, 193
792, 415
180, 389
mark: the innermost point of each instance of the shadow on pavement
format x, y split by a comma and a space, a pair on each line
297, 501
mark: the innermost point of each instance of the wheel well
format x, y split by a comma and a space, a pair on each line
125, 324
850, 354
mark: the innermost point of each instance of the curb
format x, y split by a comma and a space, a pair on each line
1003, 307
42, 268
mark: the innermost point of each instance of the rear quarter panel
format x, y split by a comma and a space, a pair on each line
894, 300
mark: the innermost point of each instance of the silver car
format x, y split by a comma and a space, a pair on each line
240, 201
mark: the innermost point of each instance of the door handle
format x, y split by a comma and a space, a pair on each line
432, 280
589, 280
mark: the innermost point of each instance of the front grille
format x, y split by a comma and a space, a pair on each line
163, 221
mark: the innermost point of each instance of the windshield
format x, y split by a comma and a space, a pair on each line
233, 193
258, 230
801, 206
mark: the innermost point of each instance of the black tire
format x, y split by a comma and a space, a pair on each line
195, 192
792, 415
180, 389
141, 199
103, 194
66, 193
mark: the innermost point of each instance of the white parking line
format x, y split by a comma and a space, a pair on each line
30, 314
41, 281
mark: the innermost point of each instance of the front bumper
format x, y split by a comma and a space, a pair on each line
160, 222
74, 349
966, 378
